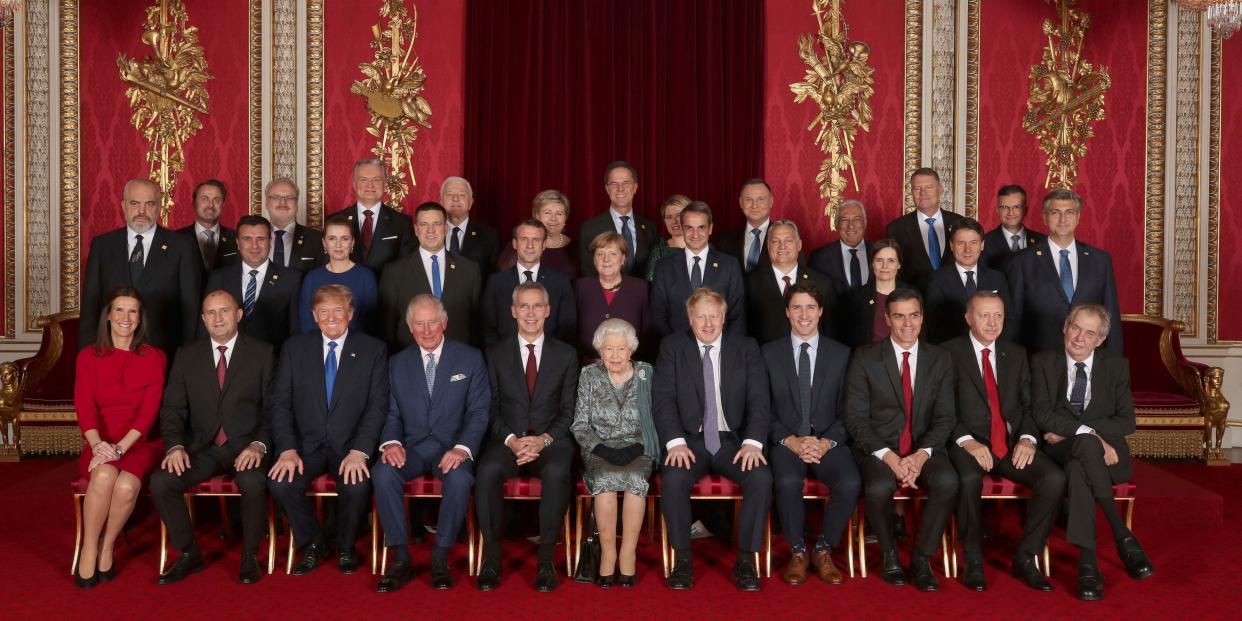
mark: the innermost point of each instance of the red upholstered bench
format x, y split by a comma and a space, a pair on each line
585, 502
814, 489
420, 487
716, 487
916, 497
522, 488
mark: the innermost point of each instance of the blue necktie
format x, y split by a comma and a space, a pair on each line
430, 372
752, 257
1067, 276
435, 275
1078, 394
933, 244
629, 243
329, 371
251, 288
711, 413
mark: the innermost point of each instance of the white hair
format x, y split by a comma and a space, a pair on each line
614, 327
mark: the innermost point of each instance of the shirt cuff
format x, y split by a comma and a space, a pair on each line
509, 437
389, 443
365, 457
1083, 429
881, 453
754, 443
261, 445
962, 440
675, 442
1027, 436
173, 448
927, 450
465, 448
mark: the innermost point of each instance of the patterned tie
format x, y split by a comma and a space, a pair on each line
804, 390
1067, 276
278, 253
530, 276
221, 370
855, 269
752, 257
251, 289
455, 243
430, 372
329, 371
906, 442
1078, 395
208, 248
998, 434
368, 232
436, 289
136, 261
788, 284
933, 244
532, 369
696, 276
711, 411
1015, 243
629, 243
971, 285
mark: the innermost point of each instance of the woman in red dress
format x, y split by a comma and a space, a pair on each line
120, 380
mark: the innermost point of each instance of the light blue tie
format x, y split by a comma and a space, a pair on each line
752, 257
933, 244
329, 371
435, 275
251, 288
711, 411
1067, 276
431, 373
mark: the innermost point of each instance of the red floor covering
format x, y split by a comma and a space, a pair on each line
1188, 518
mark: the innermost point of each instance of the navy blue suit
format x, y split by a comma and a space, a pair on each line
671, 288
1039, 302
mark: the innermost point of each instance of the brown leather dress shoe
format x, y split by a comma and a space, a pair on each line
825, 568
795, 571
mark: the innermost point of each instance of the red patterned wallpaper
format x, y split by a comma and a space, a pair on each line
1230, 275
347, 43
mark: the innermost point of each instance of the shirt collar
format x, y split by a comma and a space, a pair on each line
763, 228
702, 254
288, 228
146, 237
450, 226
1072, 247
426, 254
962, 269
198, 229
938, 216
715, 344
914, 350
538, 342
340, 340
793, 273
846, 248
1070, 362
617, 215
262, 267
439, 348
362, 211
229, 344
979, 346
534, 269
797, 341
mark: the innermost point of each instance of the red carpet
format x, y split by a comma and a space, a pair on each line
1188, 517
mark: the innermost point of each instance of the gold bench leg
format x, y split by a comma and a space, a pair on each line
78, 499
849, 540
289, 560
474, 556
271, 536
375, 538
665, 552
569, 542
862, 542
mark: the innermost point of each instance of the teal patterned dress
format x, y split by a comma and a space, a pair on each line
610, 414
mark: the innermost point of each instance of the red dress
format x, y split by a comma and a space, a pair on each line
117, 392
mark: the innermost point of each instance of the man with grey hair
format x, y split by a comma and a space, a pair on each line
465, 236
844, 261
293, 245
383, 234
162, 265
1049, 277
766, 285
748, 243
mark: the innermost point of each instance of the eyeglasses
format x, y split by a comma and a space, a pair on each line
281, 198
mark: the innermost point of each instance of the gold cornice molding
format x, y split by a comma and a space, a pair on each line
70, 248
912, 129
314, 113
1153, 213
1213, 232
255, 100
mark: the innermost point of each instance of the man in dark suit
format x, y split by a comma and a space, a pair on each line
268, 292
328, 405
216, 244
900, 415
845, 261
436, 420
680, 274
711, 411
995, 434
949, 287
214, 421
534, 385
453, 279
1009, 237
639, 233
471, 238
1059, 272
767, 285
293, 245
1081, 401
383, 233
529, 237
924, 233
749, 243
806, 376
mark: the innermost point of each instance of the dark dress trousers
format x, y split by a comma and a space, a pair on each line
195, 408
828, 261
996, 249
275, 314
226, 249
307, 249
875, 418
392, 238
837, 468
678, 406
1040, 305
736, 243
629, 303
498, 321
765, 303
646, 236
479, 242
974, 419
1110, 412
671, 288
170, 282
460, 292
944, 307
916, 267
324, 433
428, 425
514, 410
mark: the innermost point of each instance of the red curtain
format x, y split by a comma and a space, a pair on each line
557, 89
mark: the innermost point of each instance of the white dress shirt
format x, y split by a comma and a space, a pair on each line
748, 238
461, 235
523, 353
979, 364
423, 354
863, 264
922, 220
616, 224
962, 269
780, 277
200, 233
258, 278
702, 255
720, 416
362, 217
443, 260
1073, 258
521, 272
131, 241
215, 360
1071, 371
1022, 238
287, 240
914, 364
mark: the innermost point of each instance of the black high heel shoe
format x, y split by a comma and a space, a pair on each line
106, 576
606, 582
624, 581
85, 583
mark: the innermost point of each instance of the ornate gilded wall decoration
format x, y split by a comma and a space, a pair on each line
392, 86
839, 80
1067, 95
166, 89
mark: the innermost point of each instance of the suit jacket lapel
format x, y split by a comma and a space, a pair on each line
1086, 268
695, 361
920, 384
683, 276
344, 368
976, 371
1062, 380
818, 378
789, 369
889, 360
442, 369
519, 362
235, 361
1050, 265
155, 258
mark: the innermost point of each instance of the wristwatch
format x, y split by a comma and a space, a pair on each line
120, 450
547, 440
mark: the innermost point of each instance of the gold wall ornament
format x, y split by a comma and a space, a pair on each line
1067, 95
165, 91
392, 86
839, 80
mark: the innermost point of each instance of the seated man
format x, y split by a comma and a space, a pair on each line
900, 415
534, 382
214, 422
710, 405
436, 420
1080, 398
328, 404
806, 374
996, 434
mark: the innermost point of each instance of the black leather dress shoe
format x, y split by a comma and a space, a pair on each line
973, 578
1024, 569
682, 576
489, 576
399, 573
1090, 584
188, 563
249, 572
441, 576
624, 581
347, 561
311, 555
745, 575
545, 578
922, 577
1135, 560
891, 571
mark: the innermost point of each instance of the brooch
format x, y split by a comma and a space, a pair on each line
642, 374
163, 246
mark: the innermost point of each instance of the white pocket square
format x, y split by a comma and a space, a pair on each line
459, 376
388, 238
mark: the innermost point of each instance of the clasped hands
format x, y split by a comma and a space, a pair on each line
102, 453
907, 469
809, 449
526, 449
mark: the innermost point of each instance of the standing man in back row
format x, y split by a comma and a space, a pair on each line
383, 233
468, 237
924, 233
749, 244
639, 233
293, 245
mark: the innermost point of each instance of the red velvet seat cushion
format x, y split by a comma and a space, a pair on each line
815, 487
423, 486
323, 484
1164, 400
78, 486
523, 487
219, 485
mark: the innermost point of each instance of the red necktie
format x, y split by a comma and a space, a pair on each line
531, 369
787, 284
368, 232
221, 368
907, 394
998, 434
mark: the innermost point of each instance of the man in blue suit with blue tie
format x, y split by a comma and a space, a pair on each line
437, 415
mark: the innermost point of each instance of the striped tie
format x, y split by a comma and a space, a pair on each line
251, 289
431, 373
